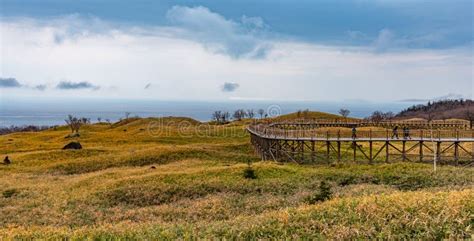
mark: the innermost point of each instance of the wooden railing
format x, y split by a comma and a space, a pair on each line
458, 124
269, 131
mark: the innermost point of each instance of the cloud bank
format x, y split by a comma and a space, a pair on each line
189, 59
9, 83
67, 85
230, 87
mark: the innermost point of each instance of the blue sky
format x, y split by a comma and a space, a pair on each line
293, 50
328, 21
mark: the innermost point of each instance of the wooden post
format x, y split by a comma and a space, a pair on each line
338, 151
302, 150
387, 153
313, 149
421, 151
456, 152
370, 151
327, 151
293, 150
438, 151
404, 154
355, 150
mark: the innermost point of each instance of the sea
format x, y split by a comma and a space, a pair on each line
54, 111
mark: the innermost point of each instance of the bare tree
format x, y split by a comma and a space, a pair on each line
217, 116
85, 120
127, 114
99, 119
108, 122
344, 112
429, 116
225, 116
250, 113
470, 117
75, 123
239, 114
261, 112
298, 113
388, 115
377, 116
305, 113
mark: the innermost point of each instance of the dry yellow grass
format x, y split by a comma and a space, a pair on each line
197, 190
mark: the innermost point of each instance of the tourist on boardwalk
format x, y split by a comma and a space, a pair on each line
406, 133
354, 131
395, 132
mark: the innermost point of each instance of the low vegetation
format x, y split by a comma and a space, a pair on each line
175, 178
441, 110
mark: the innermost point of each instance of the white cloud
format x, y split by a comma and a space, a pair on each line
220, 35
122, 60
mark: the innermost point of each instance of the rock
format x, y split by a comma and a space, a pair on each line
73, 145
6, 161
152, 167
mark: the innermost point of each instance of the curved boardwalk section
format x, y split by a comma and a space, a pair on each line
305, 142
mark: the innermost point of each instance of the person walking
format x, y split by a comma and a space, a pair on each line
395, 132
354, 133
406, 133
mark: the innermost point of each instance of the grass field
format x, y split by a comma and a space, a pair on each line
197, 189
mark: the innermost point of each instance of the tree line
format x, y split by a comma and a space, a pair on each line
221, 117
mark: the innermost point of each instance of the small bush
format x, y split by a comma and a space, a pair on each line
9, 193
347, 181
324, 193
249, 173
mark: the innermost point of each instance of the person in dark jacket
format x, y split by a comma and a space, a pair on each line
406, 133
354, 133
395, 132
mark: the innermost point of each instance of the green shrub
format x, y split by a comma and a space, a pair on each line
249, 173
9, 193
324, 193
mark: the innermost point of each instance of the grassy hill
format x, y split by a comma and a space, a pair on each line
179, 178
311, 115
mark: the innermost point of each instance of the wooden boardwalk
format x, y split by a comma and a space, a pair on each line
414, 124
283, 143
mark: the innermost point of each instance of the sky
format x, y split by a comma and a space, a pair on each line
326, 50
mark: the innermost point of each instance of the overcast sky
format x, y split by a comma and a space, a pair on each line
377, 50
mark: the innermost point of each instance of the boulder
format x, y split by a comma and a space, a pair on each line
73, 146
6, 161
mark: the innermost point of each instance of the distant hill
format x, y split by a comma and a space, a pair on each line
306, 114
440, 110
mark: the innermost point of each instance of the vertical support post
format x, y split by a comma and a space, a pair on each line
338, 151
370, 152
421, 150
354, 145
404, 153
302, 150
456, 152
313, 149
438, 151
387, 151
327, 151
293, 149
